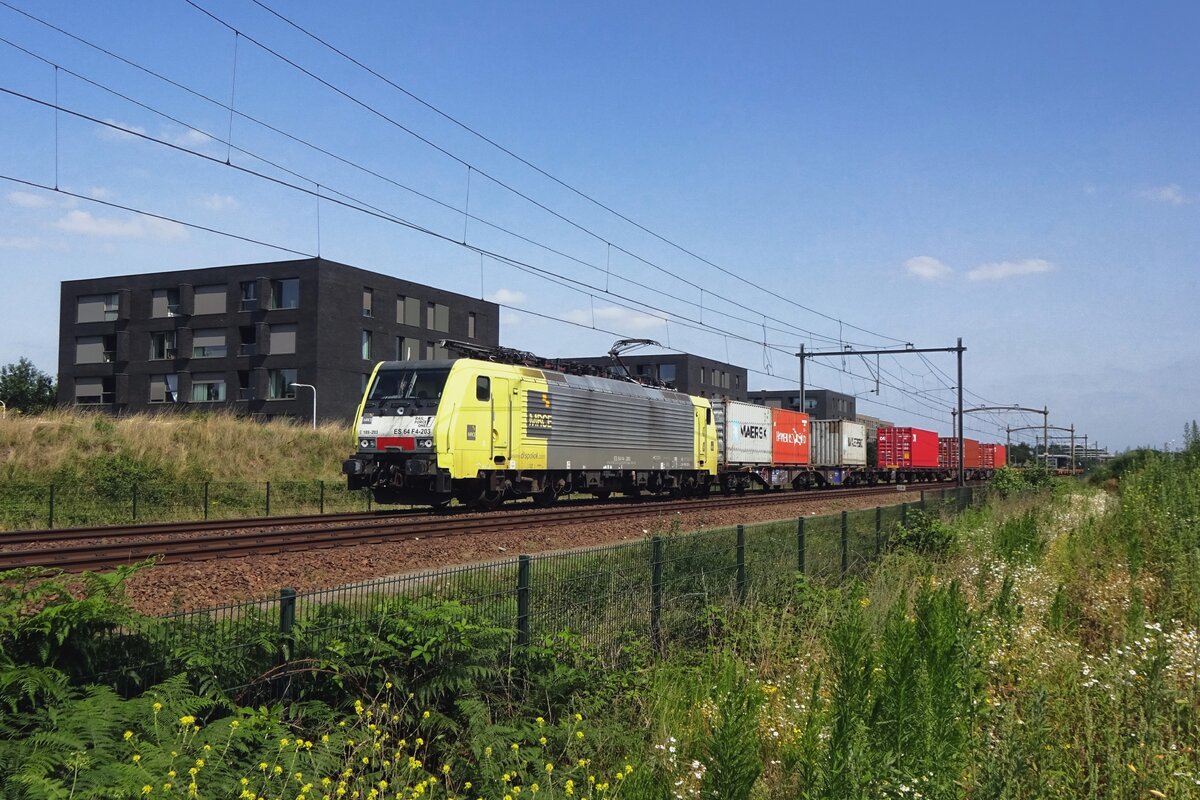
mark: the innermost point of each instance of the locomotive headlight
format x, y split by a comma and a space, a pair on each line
366, 443
427, 443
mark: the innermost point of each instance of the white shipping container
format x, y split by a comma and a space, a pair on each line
838, 443
743, 432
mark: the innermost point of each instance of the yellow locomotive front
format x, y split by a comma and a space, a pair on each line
396, 457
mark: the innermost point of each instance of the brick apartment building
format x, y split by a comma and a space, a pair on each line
237, 337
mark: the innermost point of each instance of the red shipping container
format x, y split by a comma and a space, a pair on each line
948, 453
995, 456
790, 443
903, 448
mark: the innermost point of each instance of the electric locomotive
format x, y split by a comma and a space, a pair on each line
501, 424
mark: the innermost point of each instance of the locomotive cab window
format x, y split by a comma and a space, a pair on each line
421, 385
483, 388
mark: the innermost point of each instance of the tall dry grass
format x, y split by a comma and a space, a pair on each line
63, 445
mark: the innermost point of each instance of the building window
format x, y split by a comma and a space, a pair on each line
408, 311
283, 339
208, 388
366, 345
437, 352
279, 384
702, 375
164, 388
249, 295
162, 345
737, 381
209, 300
368, 302
209, 343
408, 349
245, 389
96, 308
471, 325
666, 372
95, 349
247, 340
93, 391
165, 303
365, 378
285, 293
437, 317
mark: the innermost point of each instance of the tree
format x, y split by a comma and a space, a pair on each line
25, 388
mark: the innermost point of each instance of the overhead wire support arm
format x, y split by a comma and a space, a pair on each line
958, 349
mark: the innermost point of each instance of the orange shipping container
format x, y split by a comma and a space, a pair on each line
790, 444
948, 453
995, 456
904, 448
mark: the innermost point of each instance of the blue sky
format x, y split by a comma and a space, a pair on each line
1023, 176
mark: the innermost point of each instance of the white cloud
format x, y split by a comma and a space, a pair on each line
219, 202
506, 297
115, 131
100, 193
616, 318
1172, 194
189, 138
27, 200
83, 223
1000, 270
926, 268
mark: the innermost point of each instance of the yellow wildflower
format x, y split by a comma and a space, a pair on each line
187, 720
128, 735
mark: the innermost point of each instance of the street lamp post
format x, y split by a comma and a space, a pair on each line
314, 391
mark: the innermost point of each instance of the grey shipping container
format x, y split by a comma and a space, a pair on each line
743, 433
838, 443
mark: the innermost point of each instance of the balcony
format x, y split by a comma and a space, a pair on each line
247, 348
245, 393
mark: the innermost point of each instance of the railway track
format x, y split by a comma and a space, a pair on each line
106, 548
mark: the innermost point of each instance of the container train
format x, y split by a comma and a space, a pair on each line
500, 424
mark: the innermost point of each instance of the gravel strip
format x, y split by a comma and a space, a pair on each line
177, 587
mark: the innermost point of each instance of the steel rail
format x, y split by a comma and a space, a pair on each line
106, 555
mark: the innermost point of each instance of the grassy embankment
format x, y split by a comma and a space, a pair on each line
1044, 647
101, 467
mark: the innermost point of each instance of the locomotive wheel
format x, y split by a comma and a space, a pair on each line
489, 501
545, 498
603, 494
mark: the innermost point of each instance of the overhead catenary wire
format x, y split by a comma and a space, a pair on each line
546, 174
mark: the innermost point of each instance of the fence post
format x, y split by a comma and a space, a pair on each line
321, 502
878, 531
268, 510
741, 562
287, 618
904, 515
523, 600
50, 521
135, 495
800, 546
206, 499
656, 574
369, 496
922, 499
845, 544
